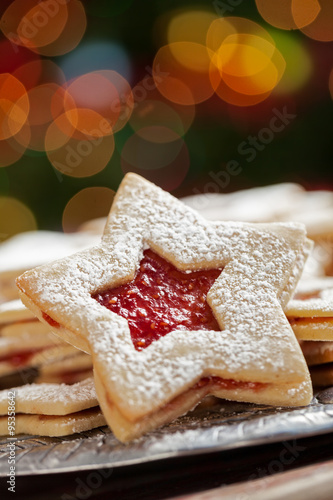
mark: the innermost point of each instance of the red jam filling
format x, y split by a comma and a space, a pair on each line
50, 320
21, 358
161, 299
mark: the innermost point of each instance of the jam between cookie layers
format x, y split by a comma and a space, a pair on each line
20, 358
161, 299
139, 391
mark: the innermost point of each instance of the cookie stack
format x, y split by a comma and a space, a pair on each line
311, 316
170, 307
278, 203
173, 307
52, 409
26, 343
29, 350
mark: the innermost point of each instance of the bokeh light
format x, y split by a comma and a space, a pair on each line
111, 99
321, 26
190, 26
14, 106
249, 64
231, 96
89, 203
222, 28
41, 24
79, 142
59, 132
15, 217
75, 153
152, 108
277, 14
288, 14
72, 33
43, 79
40, 116
39, 72
11, 150
47, 28
181, 72
159, 154
40, 98
151, 113
313, 17
232, 56
89, 108
34, 24
178, 91
97, 55
299, 65
304, 12
13, 56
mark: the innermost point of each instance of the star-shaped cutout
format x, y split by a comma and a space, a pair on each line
254, 357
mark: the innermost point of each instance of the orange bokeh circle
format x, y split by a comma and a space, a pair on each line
15, 217
47, 27
181, 72
89, 203
14, 105
74, 153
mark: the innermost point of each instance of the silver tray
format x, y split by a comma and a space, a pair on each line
215, 425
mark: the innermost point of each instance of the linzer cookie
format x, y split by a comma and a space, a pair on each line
260, 204
310, 312
280, 202
55, 425
26, 342
173, 307
52, 409
27, 250
315, 210
31, 353
69, 369
14, 311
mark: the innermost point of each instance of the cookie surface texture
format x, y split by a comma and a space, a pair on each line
310, 312
254, 356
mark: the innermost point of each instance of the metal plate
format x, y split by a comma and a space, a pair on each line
214, 426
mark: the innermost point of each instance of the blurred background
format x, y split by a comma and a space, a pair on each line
195, 96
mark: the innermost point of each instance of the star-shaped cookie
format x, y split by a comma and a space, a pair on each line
249, 271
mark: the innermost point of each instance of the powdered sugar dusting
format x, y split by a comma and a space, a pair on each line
51, 399
261, 266
313, 298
